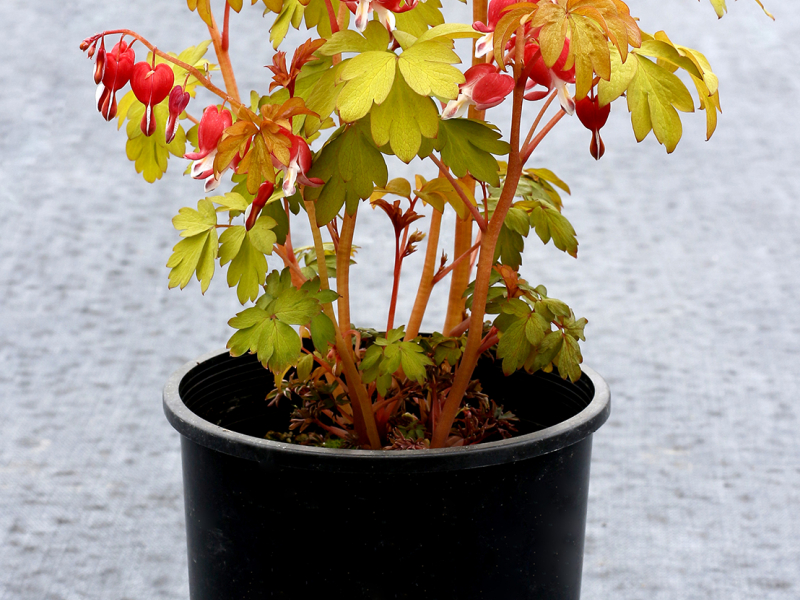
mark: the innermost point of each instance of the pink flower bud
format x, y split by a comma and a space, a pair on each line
178, 100
264, 192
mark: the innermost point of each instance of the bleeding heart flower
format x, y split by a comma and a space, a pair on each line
100, 61
484, 88
151, 85
116, 72
386, 10
593, 116
299, 165
251, 214
212, 125
178, 101
555, 77
485, 44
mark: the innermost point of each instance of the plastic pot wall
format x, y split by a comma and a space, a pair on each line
497, 521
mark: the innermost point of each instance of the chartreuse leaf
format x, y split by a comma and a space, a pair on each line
245, 251
395, 90
351, 167
230, 201
589, 25
291, 13
705, 81
203, 9
316, 15
654, 96
427, 68
403, 119
369, 77
467, 146
416, 21
375, 37
197, 252
721, 9
266, 329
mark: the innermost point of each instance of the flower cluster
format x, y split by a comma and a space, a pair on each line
152, 83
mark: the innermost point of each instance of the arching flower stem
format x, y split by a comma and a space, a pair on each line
202, 79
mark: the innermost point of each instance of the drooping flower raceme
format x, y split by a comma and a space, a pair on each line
112, 71
212, 125
150, 85
484, 88
385, 9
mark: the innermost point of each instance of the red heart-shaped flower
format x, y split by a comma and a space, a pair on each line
592, 115
150, 85
118, 66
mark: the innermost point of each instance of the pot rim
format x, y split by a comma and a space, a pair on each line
214, 437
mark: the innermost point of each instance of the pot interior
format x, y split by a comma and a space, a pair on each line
230, 392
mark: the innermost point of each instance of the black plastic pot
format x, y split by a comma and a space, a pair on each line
498, 521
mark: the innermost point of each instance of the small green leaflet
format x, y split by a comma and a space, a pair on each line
197, 252
266, 329
388, 354
351, 166
528, 340
245, 251
551, 224
467, 146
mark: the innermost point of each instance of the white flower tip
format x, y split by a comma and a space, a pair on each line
484, 45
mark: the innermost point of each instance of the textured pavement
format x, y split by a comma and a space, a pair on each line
689, 274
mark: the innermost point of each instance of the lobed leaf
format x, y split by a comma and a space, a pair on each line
248, 266
467, 146
197, 252
351, 167
403, 119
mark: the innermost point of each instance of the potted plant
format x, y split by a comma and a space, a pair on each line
321, 457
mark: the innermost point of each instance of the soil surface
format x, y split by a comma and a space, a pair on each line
688, 273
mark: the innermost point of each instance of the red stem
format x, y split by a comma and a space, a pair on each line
476, 214
225, 22
332, 16
443, 273
538, 120
398, 263
545, 130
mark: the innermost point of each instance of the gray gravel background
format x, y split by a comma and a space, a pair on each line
688, 275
